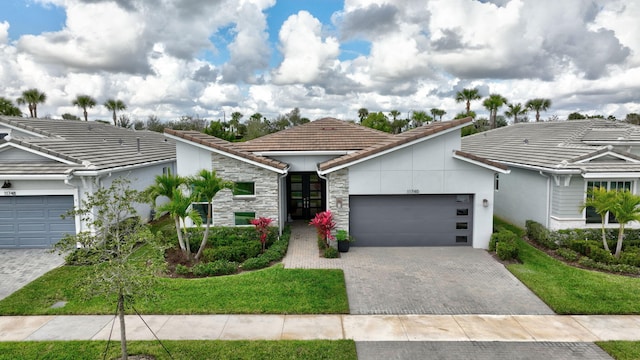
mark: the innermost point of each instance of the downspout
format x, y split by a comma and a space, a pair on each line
76, 200
549, 195
282, 201
326, 184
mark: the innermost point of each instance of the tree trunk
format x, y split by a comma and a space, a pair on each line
187, 243
123, 333
619, 244
604, 236
115, 123
85, 115
179, 231
206, 232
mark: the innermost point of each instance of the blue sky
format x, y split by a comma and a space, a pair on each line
404, 55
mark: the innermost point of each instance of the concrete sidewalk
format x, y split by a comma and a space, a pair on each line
396, 328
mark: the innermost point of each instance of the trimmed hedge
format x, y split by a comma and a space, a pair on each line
504, 243
538, 233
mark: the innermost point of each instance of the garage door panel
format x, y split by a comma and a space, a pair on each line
34, 221
411, 220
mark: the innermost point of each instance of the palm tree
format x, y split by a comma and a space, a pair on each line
84, 102
32, 98
420, 117
163, 186
468, 95
205, 186
538, 105
179, 208
493, 103
7, 108
602, 201
113, 106
625, 209
362, 114
514, 111
437, 112
394, 114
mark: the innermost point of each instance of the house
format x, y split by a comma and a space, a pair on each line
412, 189
49, 166
553, 164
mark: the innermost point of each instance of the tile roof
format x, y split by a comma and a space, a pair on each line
92, 145
326, 134
394, 141
225, 146
558, 146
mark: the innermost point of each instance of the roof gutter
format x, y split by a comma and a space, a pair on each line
300, 153
541, 168
481, 164
121, 168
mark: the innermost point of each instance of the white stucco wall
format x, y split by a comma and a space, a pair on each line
191, 159
429, 167
523, 195
303, 163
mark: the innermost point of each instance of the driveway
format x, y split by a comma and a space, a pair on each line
18, 267
420, 280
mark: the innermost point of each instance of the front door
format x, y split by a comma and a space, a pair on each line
306, 195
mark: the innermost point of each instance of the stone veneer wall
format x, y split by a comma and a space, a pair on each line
339, 191
264, 203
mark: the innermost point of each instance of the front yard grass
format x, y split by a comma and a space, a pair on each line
269, 291
621, 350
570, 290
54, 350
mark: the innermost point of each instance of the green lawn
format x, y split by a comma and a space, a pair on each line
54, 350
622, 350
269, 291
569, 290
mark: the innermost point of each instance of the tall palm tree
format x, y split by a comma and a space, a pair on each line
84, 102
362, 114
538, 105
602, 201
205, 186
32, 98
625, 209
394, 114
493, 103
113, 106
420, 117
514, 111
468, 95
179, 208
437, 112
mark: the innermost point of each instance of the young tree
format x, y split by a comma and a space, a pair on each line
602, 202
378, 121
179, 208
117, 233
115, 106
625, 209
205, 186
467, 96
32, 98
84, 102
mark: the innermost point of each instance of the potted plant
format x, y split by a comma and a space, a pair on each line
344, 239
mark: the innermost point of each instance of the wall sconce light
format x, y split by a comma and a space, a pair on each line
6, 185
339, 203
485, 202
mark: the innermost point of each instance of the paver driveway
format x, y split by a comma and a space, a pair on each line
420, 280
18, 267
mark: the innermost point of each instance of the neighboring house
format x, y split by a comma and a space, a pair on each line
48, 167
412, 189
553, 164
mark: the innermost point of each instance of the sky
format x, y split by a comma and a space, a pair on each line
209, 58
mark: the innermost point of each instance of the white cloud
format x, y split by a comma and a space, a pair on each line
306, 54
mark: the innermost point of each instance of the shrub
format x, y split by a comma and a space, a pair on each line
598, 254
271, 255
568, 254
617, 268
216, 268
82, 256
331, 253
507, 249
182, 270
502, 235
246, 250
256, 263
582, 246
540, 234
630, 257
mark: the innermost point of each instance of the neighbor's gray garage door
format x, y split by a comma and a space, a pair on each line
411, 220
34, 221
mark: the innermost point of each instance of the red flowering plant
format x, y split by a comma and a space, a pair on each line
262, 227
323, 221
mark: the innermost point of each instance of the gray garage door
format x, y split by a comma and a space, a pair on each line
411, 220
34, 221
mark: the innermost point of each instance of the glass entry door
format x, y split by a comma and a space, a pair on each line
306, 195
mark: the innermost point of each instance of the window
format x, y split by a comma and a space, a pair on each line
244, 189
166, 170
462, 226
591, 216
462, 212
496, 182
462, 239
244, 218
201, 208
